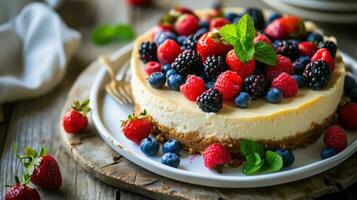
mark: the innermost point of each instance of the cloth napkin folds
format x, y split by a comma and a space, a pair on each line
35, 47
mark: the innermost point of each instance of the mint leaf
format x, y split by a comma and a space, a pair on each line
265, 53
229, 34
246, 32
253, 164
249, 147
106, 33
273, 162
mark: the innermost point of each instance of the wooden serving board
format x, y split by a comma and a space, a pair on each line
97, 158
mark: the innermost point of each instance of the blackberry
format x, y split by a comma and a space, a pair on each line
317, 74
147, 52
187, 62
210, 101
191, 41
329, 45
288, 49
214, 66
255, 85
257, 16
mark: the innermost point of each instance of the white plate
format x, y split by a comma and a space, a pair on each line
324, 5
106, 114
321, 16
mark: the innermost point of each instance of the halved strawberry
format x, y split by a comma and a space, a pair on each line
286, 27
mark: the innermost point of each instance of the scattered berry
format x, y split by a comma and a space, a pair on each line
274, 95
170, 72
287, 155
327, 152
304, 60
170, 159
215, 156
329, 45
299, 80
21, 191
214, 66
242, 69
262, 38
299, 68
186, 24
75, 120
157, 80
175, 81
286, 27
217, 23
172, 146
162, 36
229, 84
283, 65
137, 127
187, 62
335, 137
242, 100
147, 52
287, 84
210, 44
317, 74
255, 85
287, 49
273, 17
231, 16
193, 87
307, 48
350, 84
347, 116
152, 67
210, 101
168, 51
257, 16
324, 54
149, 146
314, 37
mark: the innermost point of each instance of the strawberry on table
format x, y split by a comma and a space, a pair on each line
21, 191
76, 120
286, 27
137, 127
211, 44
215, 156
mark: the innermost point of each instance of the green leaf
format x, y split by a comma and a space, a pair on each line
229, 34
273, 162
249, 147
124, 32
265, 53
246, 32
43, 151
106, 33
30, 152
253, 164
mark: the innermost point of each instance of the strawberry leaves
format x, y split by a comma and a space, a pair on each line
82, 107
30, 160
241, 37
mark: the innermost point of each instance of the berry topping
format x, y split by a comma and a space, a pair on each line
229, 84
298, 67
242, 100
193, 87
317, 74
287, 48
287, 155
209, 85
274, 95
347, 116
304, 60
215, 156
283, 65
314, 37
273, 17
243, 69
335, 137
300, 80
287, 84
329, 45
172, 146
170, 159
166, 68
168, 51
152, 67
157, 80
255, 85
231, 16
217, 23
186, 24
324, 54
170, 72
262, 38
147, 52
75, 120
214, 66
327, 152
162, 36
307, 48
188, 62
175, 81
149, 146
137, 127
210, 101
190, 42
286, 27
350, 84
211, 44
203, 24
257, 16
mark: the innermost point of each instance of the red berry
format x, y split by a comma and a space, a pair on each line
186, 24
283, 65
152, 67
47, 175
335, 137
22, 192
286, 27
242, 69
193, 87
137, 127
168, 51
286, 84
347, 116
262, 38
217, 23
215, 156
76, 120
139, 2
211, 44
229, 84
307, 48
325, 55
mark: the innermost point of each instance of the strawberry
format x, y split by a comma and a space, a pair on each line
262, 38
168, 51
215, 156
324, 54
210, 44
193, 87
217, 23
242, 69
307, 48
186, 25
286, 27
286, 84
347, 116
283, 65
152, 67
335, 137
137, 127
75, 120
42, 168
229, 84
21, 191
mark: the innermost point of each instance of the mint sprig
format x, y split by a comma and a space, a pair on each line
106, 34
241, 37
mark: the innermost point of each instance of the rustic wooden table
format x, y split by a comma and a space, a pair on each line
34, 122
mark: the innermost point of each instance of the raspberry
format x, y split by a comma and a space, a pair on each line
335, 137
168, 51
307, 48
287, 48
215, 156
262, 38
283, 65
193, 87
210, 101
229, 84
186, 24
330, 46
317, 74
188, 62
324, 54
152, 67
217, 23
214, 66
347, 116
147, 52
242, 69
255, 85
287, 84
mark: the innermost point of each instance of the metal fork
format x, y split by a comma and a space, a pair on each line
117, 88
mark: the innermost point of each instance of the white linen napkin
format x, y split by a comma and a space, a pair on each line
34, 49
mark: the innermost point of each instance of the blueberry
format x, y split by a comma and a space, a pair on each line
157, 80
298, 67
175, 81
160, 37
181, 39
300, 80
149, 146
209, 85
314, 37
350, 84
170, 159
273, 17
274, 95
170, 72
288, 156
257, 16
242, 100
166, 68
304, 60
327, 152
172, 146
203, 24
230, 16
295, 41
236, 20
201, 31
353, 95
